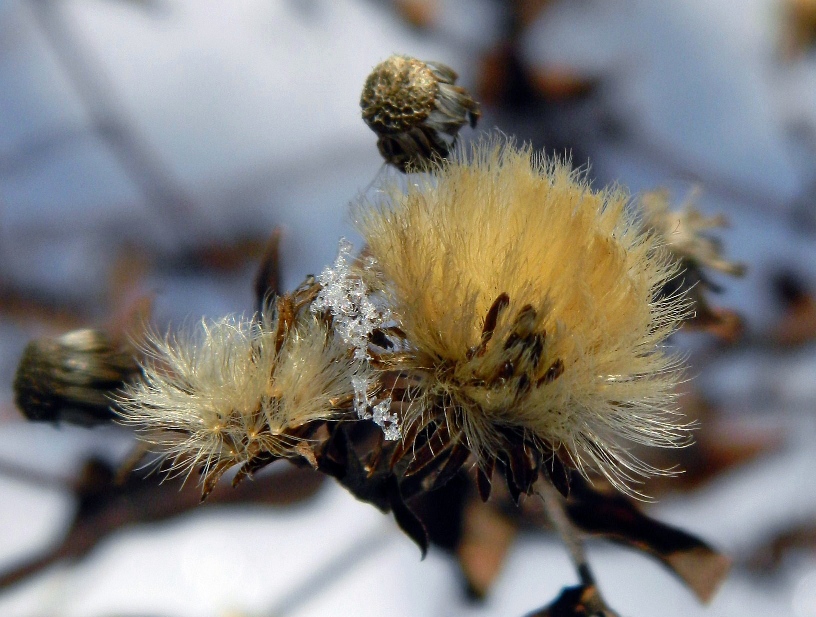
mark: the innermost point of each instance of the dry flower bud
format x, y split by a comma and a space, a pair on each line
70, 378
416, 110
683, 232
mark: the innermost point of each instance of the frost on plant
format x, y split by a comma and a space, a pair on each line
382, 414
360, 385
345, 294
386, 419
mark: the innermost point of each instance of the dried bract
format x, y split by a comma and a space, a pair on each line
247, 391
529, 302
416, 110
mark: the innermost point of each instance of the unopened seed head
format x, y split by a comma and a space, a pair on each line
69, 379
685, 232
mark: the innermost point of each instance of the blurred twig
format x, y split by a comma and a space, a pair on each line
330, 572
161, 189
267, 279
103, 507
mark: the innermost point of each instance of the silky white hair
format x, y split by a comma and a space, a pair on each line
237, 389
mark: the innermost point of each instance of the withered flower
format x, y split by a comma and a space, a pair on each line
416, 110
528, 302
685, 234
248, 391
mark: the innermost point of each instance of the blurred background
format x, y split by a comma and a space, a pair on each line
148, 148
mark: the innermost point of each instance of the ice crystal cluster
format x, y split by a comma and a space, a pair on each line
530, 301
355, 315
346, 295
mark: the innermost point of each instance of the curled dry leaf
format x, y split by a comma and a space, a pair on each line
799, 33
486, 538
614, 516
422, 14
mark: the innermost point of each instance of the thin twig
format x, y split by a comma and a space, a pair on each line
331, 572
140, 161
34, 478
268, 277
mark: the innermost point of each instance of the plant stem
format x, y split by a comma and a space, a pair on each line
555, 508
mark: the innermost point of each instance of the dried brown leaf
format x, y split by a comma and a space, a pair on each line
614, 516
486, 538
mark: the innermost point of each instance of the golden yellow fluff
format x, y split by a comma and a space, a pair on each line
529, 301
229, 395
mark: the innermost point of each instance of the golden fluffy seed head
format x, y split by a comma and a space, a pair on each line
231, 395
415, 109
529, 300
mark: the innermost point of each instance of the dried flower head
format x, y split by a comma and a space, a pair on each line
249, 391
684, 233
415, 109
529, 302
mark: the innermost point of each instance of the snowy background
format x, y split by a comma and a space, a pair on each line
137, 135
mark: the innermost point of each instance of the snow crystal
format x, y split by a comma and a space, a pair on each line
355, 318
346, 296
386, 420
361, 398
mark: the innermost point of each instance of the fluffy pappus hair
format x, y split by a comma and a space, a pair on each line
244, 390
530, 303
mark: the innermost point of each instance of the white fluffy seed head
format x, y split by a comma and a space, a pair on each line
228, 395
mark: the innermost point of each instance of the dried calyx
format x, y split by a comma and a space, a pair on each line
416, 110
